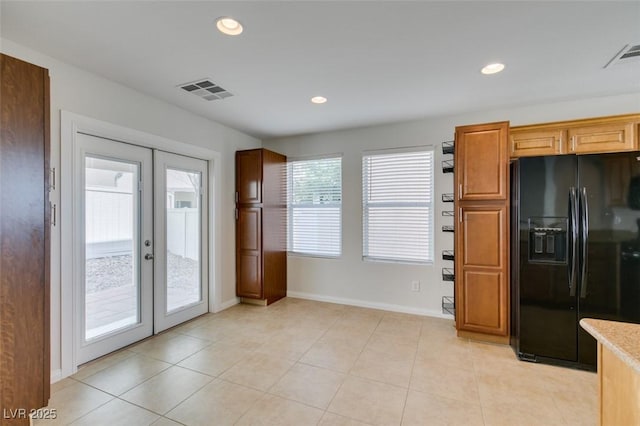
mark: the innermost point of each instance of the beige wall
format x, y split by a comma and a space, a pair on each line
387, 285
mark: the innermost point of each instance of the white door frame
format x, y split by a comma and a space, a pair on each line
70, 125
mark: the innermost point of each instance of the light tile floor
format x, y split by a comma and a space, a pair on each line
299, 362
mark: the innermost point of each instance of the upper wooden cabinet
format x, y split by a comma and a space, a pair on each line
610, 137
588, 136
531, 143
481, 162
249, 176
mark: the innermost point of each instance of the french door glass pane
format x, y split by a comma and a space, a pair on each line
183, 238
111, 239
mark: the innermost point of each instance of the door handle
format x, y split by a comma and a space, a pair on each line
573, 214
148, 256
585, 240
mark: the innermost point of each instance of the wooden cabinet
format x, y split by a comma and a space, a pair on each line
24, 238
261, 218
481, 162
587, 136
619, 390
535, 142
482, 231
618, 370
607, 137
249, 177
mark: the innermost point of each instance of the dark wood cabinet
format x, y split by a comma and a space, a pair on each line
482, 231
261, 226
24, 238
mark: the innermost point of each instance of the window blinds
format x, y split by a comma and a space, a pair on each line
315, 206
398, 206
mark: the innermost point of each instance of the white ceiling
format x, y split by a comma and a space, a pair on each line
377, 61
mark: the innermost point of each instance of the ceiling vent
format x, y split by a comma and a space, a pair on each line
206, 89
629, 53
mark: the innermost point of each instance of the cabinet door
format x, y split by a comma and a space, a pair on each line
481, 162
24, 238
611, 137
531, 143
482, 247
249, 176
249, 253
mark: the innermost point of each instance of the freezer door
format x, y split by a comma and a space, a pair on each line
547, 302
610, 213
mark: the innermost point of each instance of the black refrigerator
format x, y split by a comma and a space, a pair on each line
575, 245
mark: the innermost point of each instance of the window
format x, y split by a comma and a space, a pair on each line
397, 206
315, 206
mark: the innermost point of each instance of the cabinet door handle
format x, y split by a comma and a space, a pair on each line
573, 143
460, 214
236, 196
460, 192
52, 182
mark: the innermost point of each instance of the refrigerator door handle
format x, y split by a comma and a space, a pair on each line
584, 207
573, 260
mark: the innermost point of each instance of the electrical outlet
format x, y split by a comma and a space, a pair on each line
415, 285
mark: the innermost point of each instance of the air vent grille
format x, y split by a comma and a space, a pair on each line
206, 89
629, 53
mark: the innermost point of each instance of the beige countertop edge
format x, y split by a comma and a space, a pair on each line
622, 338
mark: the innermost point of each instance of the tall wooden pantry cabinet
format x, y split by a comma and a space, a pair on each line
482, 231
24, 240
261, 226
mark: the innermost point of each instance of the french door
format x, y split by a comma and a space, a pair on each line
180, 239
140, 266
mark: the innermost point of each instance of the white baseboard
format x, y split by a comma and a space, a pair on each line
56, 376
226, 305
368, 304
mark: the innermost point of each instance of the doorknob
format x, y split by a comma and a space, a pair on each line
148, 256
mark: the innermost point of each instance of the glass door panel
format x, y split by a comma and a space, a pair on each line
183, 238
112, 269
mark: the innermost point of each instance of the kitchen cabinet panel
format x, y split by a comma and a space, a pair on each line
609, 137
481, 162
530, 143
481, 287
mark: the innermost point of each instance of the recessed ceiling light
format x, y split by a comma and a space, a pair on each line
228, 26
492, 68
318, 99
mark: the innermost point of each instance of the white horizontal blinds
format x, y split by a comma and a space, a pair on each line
398, 206
315, 206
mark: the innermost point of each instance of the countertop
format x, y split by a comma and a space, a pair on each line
622, 338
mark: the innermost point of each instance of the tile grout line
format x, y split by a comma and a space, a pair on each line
413, 364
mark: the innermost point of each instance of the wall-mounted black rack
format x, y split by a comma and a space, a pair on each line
448, 274
447, 255
448, 147
448, 305
447, 166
